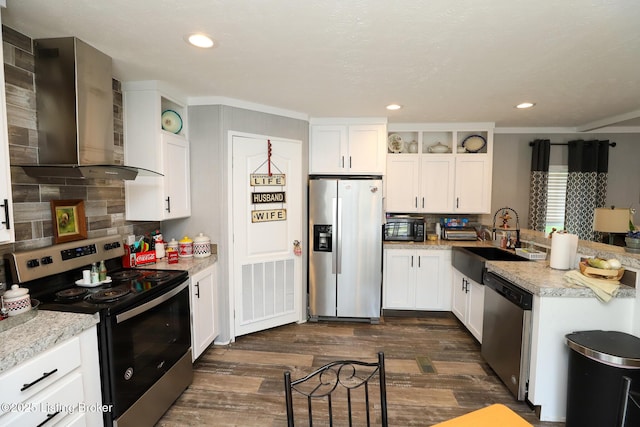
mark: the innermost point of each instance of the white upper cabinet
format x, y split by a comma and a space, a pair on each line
6, 207
347, 146
147, 145
438, 168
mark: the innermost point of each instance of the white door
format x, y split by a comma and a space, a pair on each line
266, 277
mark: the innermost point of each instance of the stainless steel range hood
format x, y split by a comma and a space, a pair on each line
74, 100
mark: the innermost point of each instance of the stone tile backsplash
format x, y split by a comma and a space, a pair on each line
104, 199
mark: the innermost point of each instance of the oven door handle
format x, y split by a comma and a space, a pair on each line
151, 304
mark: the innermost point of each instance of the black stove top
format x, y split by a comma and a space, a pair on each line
52, 273
127, 287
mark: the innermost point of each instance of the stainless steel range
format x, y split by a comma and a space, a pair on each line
144, 333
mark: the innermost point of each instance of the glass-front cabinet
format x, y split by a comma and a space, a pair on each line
439, 168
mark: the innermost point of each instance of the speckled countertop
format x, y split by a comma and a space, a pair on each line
40, 333
49, 328
540, 279
193, 265
536, 276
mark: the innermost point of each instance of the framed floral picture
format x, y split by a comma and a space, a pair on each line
68, 220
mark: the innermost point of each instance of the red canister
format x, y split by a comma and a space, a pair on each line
185, 247
172, 257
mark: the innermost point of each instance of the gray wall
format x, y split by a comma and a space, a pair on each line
512, 164
209, 126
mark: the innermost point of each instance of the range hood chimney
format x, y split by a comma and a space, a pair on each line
74, 104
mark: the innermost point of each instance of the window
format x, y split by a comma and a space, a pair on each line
556, 197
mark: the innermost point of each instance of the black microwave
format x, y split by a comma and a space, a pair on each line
404, 228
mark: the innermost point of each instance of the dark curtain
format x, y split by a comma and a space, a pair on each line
539, 184
586, 185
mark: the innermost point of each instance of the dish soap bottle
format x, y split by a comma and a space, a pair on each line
102, 273
95, 275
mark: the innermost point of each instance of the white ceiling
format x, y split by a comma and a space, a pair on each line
443, 60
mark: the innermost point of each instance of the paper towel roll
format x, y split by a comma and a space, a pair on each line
564, 248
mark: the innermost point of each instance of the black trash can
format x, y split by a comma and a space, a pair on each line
597, 362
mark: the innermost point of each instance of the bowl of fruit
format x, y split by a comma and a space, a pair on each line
598, 268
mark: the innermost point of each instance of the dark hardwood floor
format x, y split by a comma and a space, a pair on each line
241, 384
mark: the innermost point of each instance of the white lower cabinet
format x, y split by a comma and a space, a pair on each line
417, 279
60, 386
203, 299
468, 303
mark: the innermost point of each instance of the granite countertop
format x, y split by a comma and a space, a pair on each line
540, 279
192, 265
44, 331
536, 276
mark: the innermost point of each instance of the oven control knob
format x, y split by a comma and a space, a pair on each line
128, 374
46, 260
32, 263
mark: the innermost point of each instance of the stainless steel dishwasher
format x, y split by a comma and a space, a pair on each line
506, 332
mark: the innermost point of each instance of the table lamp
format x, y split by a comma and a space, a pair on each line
611, 220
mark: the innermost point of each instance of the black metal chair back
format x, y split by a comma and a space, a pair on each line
629, 401
339, 385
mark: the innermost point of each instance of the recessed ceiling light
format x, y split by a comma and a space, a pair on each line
394, 107
525, 105
200, 40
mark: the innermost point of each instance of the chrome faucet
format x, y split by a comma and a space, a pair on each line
504, 210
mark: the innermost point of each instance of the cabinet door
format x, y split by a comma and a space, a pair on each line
475, 309
437, 183
433, 280
428, 290
399, 279
328, 149
459, 301
6, 208
367, 149
177, 178
203, 305
473, 184
402, 181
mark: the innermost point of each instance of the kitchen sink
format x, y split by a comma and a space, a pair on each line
471, 260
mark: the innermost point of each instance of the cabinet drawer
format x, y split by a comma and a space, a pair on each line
32, 376
60, 402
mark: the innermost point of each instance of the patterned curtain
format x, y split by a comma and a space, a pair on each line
539, 184
586, 185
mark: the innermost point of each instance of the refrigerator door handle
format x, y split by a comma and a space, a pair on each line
338, 222
334, 239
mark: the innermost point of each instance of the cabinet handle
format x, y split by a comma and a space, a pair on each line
416, 201
411, 261
419, 258
6, 214
198, 289
168, 199
349, 162
457, 202
49, 418
423, 202
45, 375
342, 162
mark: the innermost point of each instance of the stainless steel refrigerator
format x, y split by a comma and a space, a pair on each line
345, 256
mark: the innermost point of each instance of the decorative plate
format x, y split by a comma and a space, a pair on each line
395, 143
474, 143
171, 121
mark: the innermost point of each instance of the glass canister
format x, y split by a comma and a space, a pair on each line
185, 247
201, 246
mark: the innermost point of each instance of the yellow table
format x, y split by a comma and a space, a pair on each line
492, 416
